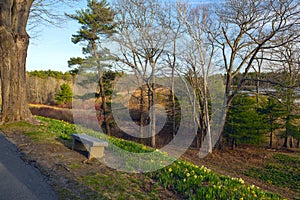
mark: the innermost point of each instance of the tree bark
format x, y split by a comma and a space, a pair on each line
153, 119
101, 87
291, 142
220, 143
14, 42
103, 102
141, 107
271, 138
172, 96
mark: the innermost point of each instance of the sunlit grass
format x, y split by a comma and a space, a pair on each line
186, 179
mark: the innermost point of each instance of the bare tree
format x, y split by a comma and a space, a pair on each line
285, 64
142, 40
199, 57
171, 55
247, 27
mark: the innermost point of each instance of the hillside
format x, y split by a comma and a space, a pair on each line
274, 170
47, 146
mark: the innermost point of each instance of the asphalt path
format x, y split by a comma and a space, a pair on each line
18, 180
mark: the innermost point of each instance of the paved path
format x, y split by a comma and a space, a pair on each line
18, 180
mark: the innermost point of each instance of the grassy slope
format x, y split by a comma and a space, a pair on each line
90, 179
47, 147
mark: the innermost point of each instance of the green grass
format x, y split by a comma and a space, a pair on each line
118, 186
184, 178
61, 129
282, 170
36, 133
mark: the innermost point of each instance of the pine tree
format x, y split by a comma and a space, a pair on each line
244, 124
64, 95
272, 111
97, 23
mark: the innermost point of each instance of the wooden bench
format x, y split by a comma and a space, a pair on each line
94, 146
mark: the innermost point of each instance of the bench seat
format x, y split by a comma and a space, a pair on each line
94, 146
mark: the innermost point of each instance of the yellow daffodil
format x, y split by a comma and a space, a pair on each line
241, 181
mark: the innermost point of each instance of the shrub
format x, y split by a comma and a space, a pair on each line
64, 95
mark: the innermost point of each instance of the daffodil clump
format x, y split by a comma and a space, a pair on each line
59, 127
190, 180
196, 182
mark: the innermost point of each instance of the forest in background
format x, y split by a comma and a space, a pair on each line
258, 116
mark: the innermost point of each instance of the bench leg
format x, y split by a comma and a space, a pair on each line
96, 152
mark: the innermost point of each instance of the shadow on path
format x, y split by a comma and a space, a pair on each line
19, 180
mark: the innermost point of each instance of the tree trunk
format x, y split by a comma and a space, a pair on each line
233, 144
153, 120
291, 142
285, 143
198, 133
103, 101
172, 96
271, 138
141, 115
220, 143
14, 42
153, 117
101, 87
206, 115
149, 94
199, 121
285, 140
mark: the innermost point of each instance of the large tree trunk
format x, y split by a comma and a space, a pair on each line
14, 42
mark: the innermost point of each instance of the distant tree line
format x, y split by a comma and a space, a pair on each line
64, 94
67, 76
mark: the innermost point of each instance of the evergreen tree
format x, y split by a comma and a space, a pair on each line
64, 95
288, 98
97, 23
244, 124
75, 63
272, 111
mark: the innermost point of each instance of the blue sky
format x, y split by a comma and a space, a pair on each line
53, 48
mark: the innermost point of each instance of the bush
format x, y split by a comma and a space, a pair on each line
64, 95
